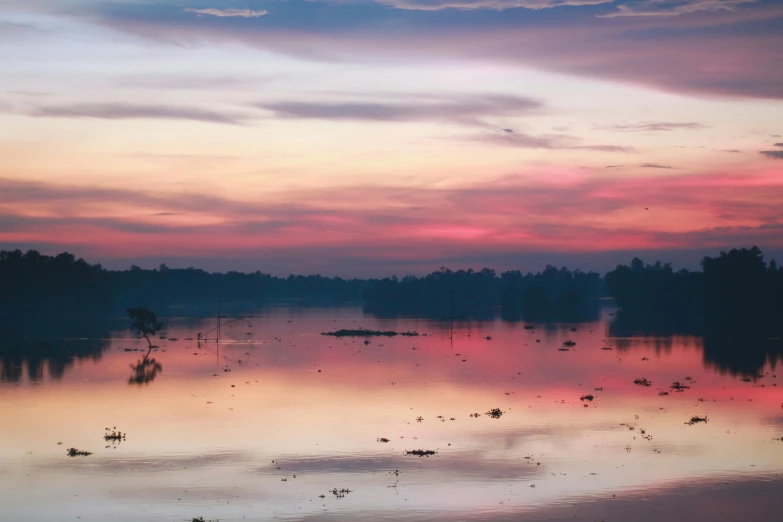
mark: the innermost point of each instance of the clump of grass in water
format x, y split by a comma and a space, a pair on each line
340, 493
73, 452
495, 413
696, 419
114, 435
569, 343
201, 519
642, 382
420, 452
383, 439
588, 397
361, 332
677, 385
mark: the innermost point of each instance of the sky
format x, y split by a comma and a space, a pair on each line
370, 137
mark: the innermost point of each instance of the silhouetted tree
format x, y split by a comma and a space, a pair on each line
145, 323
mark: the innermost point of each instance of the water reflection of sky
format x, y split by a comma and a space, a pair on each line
203, 441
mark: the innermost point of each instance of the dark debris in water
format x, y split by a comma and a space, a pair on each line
361, 332
495, 413
678, 386
696, 419
588, 397
420, 452
340, 493
569, 343
383, 439
642, 382
114, 435
73, 452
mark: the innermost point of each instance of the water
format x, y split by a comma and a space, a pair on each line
276, 416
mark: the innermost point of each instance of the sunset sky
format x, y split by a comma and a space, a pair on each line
370, 137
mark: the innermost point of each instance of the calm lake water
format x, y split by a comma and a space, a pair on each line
265, 425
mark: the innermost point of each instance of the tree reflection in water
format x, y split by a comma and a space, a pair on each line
144, 371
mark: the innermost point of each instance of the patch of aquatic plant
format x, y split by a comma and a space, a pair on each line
73, 452
495, 413
569, 343
201, 519
642, 382
588, 397
677, 385
696, 419
382, 439
340, 493
420, 452
113, 435
361, 332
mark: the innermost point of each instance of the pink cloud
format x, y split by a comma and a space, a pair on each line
592, 213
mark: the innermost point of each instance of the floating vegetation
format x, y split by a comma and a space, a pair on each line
663, 393
475, 415
420, 452
696, 419
563, 349
495, 413
569, 343
340, 493
606, 348
382, 439
642, 382
678, 386
201, 519
361, 332
73, 452
113, 435
588, 397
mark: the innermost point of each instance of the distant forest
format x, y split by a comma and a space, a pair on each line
734, 303
734, 288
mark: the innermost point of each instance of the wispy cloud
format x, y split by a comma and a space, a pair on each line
499, 5
674, 7
129, 111
670, 56
468, 110
775, 154
572, 211
229, 13
521, 140
654, 126
654, 166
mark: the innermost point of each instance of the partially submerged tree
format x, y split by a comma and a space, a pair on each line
145, 322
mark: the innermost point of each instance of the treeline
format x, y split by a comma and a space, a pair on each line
35, 287
736, 288
734, 304
551, 294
